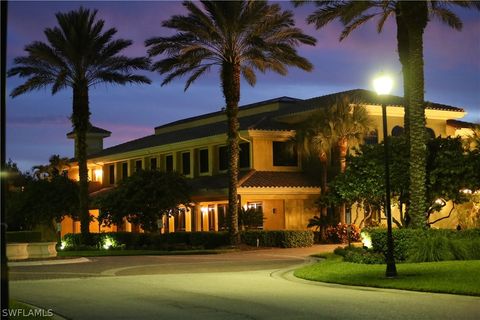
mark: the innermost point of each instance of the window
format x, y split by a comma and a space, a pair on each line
169, 163
397, 131
179, 220
222, 217
244, 161
153, 163
211, 217
186, 163
203, 155
284, 154
430, 133
222, 158
111, 174
371, 137
138, 165
255, 205
124, 170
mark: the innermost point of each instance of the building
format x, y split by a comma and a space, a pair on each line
271, 178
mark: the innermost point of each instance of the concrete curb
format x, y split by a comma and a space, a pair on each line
47, 262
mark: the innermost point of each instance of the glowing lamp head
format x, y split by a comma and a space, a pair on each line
383, 84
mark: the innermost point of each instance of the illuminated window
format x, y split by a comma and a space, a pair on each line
222, 210
255, 205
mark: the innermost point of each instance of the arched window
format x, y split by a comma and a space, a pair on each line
430, 133
372, 137
397, 131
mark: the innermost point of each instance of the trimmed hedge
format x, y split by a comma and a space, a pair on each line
23, 236
418, 245
134, 240
278, 238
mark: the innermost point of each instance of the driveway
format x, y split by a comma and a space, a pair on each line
241, 285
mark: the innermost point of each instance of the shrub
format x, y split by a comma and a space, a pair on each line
339, 233
133, 240
419, 245
362, 255
23, 236
429, 249
278, 238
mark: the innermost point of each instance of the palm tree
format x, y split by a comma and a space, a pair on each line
411, 19
53, 169
239, 37
340, 125
79, 55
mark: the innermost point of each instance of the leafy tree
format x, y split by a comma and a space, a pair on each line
78, 54
144, 198
411, 19
41, 202
450, 169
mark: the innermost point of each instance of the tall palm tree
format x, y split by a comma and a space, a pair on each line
78, 54
410, 27
340, 125
239, 37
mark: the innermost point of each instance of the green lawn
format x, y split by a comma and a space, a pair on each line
19, 310
103, 253
458, 277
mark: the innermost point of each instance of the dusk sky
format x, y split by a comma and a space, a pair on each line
37, 122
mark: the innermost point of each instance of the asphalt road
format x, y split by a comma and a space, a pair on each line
241, 285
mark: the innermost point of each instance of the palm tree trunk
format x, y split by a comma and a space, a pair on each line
80, 119
402, 47
416, 17
342, 153
231, 90
323, 189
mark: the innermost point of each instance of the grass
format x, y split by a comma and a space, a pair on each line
457, 277
20, 310
106, 253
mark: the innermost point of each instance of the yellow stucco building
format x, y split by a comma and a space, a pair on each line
271, 178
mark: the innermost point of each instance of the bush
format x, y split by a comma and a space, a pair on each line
278, 238
339, 233
23, 236
134, 240
359, 255
418, 245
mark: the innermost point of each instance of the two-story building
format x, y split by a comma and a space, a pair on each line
271, 177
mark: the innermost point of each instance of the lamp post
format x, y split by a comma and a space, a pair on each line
383, 85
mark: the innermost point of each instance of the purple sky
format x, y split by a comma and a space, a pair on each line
37, 122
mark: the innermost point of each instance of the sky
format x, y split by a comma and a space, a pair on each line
37, 122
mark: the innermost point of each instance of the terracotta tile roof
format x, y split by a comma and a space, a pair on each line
275, 179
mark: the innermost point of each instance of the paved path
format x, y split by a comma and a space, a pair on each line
243, 285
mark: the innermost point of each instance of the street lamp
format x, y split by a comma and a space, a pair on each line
383, 85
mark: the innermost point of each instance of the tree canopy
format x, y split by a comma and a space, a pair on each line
144, 198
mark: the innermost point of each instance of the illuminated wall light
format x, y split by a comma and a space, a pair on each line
204, 210
366, 239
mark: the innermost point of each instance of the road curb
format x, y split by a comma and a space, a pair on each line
47, 262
